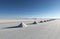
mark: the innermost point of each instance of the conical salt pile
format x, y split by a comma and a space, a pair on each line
34, 22
41, 22
22, 25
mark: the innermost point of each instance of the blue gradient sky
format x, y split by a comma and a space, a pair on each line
29, 8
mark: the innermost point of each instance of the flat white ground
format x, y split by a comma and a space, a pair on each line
46, 30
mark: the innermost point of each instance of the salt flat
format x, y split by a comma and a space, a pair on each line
46, 30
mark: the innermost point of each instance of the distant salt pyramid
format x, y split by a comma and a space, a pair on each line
34, 22
41, 21
22, 25
45, 20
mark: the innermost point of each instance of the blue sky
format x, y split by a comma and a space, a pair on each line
29, 8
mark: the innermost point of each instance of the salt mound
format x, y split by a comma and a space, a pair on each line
34, 22
41, 22
22, 25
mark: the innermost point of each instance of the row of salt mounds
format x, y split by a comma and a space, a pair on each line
23, 25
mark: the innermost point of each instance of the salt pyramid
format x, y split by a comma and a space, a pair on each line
34, 22
41, 22
22, 25
45, 21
